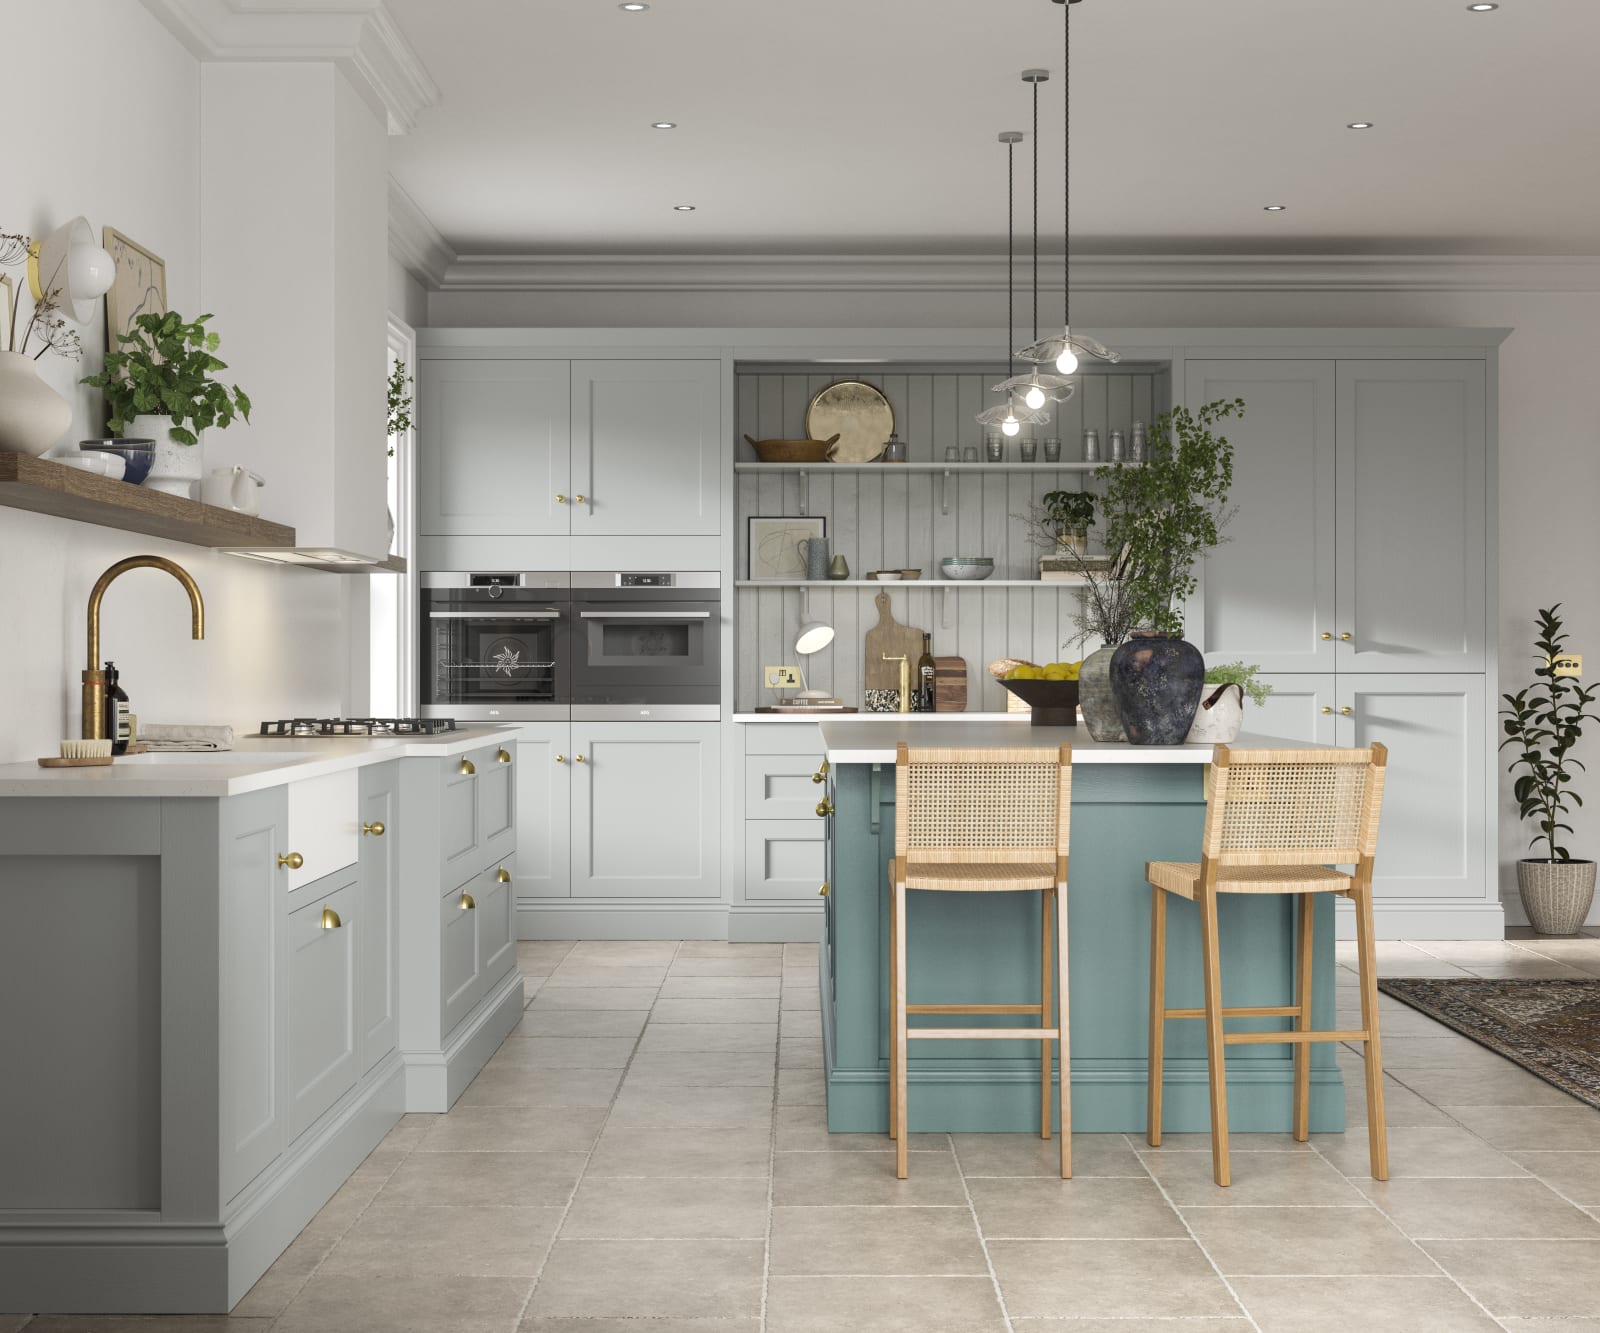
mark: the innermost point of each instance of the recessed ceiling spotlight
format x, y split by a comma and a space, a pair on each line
1481, 8
663, 124
634, 6
1274, 208
683, 208
1359, 125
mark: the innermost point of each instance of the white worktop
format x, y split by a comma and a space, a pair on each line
875, 741
254, 763
852, 719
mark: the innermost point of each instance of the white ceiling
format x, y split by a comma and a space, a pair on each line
868, 126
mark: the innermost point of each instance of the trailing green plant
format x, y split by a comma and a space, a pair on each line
399, 402
1168, 513
165, 366
1069, 511
1545, 721
1237, 673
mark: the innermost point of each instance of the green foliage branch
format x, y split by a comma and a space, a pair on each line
165, 365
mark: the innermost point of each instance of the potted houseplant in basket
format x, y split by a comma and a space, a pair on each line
1221, 712
1543, 724
160, 384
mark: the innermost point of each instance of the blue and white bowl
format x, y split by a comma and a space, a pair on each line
966, 566
138, 455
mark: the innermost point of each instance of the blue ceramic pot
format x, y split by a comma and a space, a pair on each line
1157, 682
140, 455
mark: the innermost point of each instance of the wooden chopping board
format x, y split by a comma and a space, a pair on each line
950, 684
888, 638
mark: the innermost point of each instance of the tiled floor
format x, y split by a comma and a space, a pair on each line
648, 1154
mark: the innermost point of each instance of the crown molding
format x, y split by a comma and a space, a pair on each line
415, 242
960, 273
359, 36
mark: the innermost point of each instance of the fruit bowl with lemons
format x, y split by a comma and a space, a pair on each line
1050, 691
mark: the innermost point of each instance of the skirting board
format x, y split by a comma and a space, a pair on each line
434, 1079
775, 925
742, 923
1413, 920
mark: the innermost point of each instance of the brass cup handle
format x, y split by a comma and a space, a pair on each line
579, 499
561, 759
330, 919
293, 860
1346, 637
824, 808
374, 829
467, 769
1326, 710
467, 902
561, 499
578, 759
503, 875
1326, 635
504, 757
823, 891
1347, 712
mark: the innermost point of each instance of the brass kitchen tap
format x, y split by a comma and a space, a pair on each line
94, 679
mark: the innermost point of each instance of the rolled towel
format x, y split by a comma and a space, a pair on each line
158, 736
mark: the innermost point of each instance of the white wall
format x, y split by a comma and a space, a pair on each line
408, 299
1549, 482
127, 154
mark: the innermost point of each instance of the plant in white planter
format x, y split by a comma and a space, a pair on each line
1221, 712
33, 416
1544, 722
160, 385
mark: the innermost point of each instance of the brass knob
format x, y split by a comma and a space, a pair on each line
467, 902
294, 861
503, 757
330, 919
1326, 710
823, 891
824, 808
503, 875
561, 759
375, 828
1346, 712
1326, 635
1345, 637
577, 759
561, 499
578, 499
466, 768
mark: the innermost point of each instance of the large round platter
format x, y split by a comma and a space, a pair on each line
858, 414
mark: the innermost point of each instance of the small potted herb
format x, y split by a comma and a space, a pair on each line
1221, 712
1071, 515
1543, 724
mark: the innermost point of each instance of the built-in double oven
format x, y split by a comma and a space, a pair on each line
592, 647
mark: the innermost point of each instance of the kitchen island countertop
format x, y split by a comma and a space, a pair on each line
874, 742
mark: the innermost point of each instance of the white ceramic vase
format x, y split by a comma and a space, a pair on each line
178, 467
1219, 717
33, 416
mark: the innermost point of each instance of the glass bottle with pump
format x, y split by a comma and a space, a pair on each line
116, 713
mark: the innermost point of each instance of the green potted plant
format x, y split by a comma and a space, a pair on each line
160, 384
400, 382
1221, 712
1543, 724
1070, 515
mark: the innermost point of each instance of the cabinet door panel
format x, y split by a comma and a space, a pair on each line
1267, 593
1412, 515
378, 941
1432, 834
497, 927
646, 811
459, 955
646, 444
543, 864
322, 1006
780, 786
1300, 708
783, 859
494, 446
460, 823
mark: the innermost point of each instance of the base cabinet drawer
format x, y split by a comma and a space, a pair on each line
459, 966
322, 1005
782, 786
783, 858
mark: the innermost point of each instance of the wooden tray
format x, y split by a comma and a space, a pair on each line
56, 761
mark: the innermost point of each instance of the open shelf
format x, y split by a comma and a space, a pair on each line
47, 487
1041, 466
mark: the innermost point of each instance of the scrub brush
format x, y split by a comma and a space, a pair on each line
86, 749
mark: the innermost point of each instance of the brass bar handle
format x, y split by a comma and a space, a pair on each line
824, 808
330, 919
823, 891
467, 902
374, 829
504, 757
578, 759
293, 860
467, 769
1347, 712
503, 875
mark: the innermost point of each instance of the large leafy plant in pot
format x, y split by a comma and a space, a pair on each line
1543, 723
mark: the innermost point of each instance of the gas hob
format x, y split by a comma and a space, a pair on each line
298, 727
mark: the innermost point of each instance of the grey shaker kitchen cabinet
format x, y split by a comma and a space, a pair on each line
543, 867
324, 1056
378, 942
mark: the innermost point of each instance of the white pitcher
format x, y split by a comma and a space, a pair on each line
232, 488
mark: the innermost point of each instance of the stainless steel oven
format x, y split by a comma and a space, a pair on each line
646, 645
495, 646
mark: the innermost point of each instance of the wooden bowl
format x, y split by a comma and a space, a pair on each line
1054, 702
793, 451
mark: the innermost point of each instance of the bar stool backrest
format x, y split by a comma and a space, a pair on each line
1294, 807
982, 806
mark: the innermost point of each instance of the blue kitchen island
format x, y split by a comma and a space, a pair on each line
1129, 805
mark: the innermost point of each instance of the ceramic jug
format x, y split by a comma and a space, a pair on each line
232, 488
816, 551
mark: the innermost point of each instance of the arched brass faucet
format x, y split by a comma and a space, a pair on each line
94, 677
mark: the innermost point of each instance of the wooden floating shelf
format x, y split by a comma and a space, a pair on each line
48, 487
1041, 466
937, 585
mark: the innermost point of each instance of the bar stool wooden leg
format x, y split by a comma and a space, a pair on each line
1377, 1134
1046, 1048
1158, 1004
898, 999
1063, 1024
1216, 1050
1302, 1022
894, 973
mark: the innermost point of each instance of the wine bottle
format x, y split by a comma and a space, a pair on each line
925, 696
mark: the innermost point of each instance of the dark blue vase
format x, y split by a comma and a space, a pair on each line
1157, 682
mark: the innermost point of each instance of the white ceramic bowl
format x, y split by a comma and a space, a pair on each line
970, 567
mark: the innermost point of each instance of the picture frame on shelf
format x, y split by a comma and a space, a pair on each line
139, 287
773, 546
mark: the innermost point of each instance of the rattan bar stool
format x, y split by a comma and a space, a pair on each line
1276, 822
982, 821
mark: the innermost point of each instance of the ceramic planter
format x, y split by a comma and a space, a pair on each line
1157, 681
178, 467
1095, 699
1556, 894
1219, 717
33, 416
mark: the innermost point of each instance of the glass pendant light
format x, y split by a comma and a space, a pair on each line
1066, 348
1013, 414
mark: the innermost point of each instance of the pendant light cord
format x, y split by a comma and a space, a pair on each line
1036, 212
1011, 256
1066, 164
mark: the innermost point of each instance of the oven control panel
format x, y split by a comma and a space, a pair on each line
645, 580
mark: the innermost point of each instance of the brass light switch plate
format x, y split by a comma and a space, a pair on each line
1568, 664
781, 677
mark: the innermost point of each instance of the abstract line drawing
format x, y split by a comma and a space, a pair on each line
140, 286
774, 545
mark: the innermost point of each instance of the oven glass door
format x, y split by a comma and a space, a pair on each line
637, 653
499, 656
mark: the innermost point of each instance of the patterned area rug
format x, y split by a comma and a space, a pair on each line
1550, 1027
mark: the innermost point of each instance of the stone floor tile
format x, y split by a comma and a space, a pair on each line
1394, 1020
429, 1240
1420, 1151
800, 999
1502, 1084
1472, 953
693, 1108
1125, 1279
1571, 1126
728, 967
1402, 1108
1238, 1142
1172, 1324
1402, 1055
800, 1023
1039, 1208
581, 1324
541, 957
799, 1052
513, 1129
271, 1295
709, 1037
717, 988
1532, 968
668, 1207
897, 1241
802, 1087
1550, 1279
624, 953
797, 952
716, 1009
805, 1129
1479, 1209
1420, 1304
564, 1053
650, 1279
727, 949
883, 1305
631, 1150
584, 975
1340, 1241
706, 1069
502, 1086
526, 1179
1574, 1175
404, 1304
132, 1323
566, 1022
594, 997
801, 976
408, 1133
1029, 1155
814, 1178
1259, 1179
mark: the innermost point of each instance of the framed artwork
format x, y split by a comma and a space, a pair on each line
140, 285
774, 546
5, 312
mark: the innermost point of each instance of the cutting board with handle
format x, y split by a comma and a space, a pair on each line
889, 638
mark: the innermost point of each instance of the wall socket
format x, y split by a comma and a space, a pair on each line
781, 677
1568, 664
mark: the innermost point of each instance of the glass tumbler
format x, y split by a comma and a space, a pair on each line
1052, 451
994, 447
1028, 450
